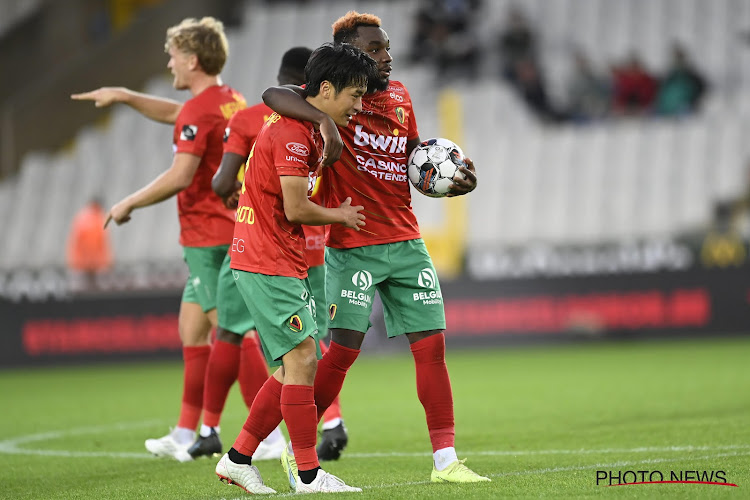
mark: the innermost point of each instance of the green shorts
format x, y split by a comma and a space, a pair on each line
283, 309
403, 274
211, 283
317, 278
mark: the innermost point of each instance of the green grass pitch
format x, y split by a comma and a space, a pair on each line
540, 421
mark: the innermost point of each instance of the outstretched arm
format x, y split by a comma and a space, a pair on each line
156, 108
178, 177
224, 182
288, 101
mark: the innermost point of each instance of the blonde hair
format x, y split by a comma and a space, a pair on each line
204, 38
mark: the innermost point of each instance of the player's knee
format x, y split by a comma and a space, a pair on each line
350, 339
417, 336
227, 336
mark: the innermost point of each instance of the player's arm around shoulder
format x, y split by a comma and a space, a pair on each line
300, 210
156, 108
288, 100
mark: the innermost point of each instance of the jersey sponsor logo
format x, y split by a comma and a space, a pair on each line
400, 115
395, 88
245, 215
188, 132
390, 143
226, 134
238, 246
297, 149
426, 278
295, 324
273, 118
315, 242
332, 311
396, 97
230, 108
381, 169
362, 280
295, 158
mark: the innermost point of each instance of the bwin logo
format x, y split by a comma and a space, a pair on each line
362, 280
426, 278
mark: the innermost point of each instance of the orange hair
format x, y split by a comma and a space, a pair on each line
345, 27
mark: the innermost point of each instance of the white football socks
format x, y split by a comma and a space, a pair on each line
444, 457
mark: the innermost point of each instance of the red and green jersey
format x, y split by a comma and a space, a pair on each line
239, 139
372, 170
243, 128
199, 130
265, 241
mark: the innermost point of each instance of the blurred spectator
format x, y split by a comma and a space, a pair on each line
442, 36
88, 251
531, 86
634, 88
681, 88
589, 94
517, 43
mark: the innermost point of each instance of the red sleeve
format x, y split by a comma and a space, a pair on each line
238, 137
292, 150
192, 130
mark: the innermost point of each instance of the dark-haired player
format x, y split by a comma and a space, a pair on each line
389, 254
268, 259
241, 133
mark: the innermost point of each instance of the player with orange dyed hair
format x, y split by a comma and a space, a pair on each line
388, 254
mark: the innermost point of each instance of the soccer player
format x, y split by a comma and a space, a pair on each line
241, 133
268, 259
198, 50
389, 254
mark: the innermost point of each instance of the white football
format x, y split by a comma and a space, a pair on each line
433, 165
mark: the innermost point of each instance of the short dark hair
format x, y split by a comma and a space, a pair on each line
342, 65
293, 62
345, 27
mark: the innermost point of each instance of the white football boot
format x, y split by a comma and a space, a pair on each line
168, 446
245, 476
325, 483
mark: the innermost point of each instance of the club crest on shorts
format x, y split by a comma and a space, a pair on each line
332, 311
295, 324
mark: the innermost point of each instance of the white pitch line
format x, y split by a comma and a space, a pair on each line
15, 446
581, 451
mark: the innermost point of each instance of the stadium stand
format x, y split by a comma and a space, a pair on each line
619, 180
